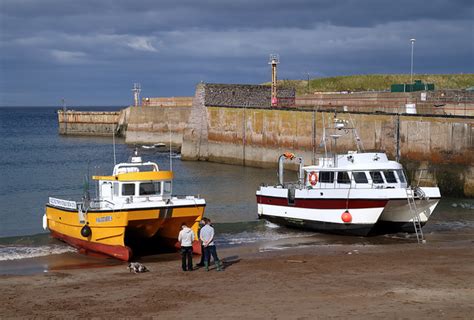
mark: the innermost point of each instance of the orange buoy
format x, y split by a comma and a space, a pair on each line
346, 216
289, 155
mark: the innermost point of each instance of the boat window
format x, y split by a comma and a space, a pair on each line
150, 188
343, 177
401, 176
128, 189
326, 177
376, 176
167, 187
116, 189
390, 176
360, 177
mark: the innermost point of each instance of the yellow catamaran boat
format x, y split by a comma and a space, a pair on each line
134, 204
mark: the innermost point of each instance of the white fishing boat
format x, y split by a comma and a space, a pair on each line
357, 193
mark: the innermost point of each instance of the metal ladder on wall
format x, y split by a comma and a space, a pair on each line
416, 216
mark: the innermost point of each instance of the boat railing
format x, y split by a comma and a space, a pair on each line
101, 203
185, 197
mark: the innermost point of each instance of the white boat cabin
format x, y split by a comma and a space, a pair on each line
355, 170
134, 182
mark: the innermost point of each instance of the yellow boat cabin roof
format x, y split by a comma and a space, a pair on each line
138, 176
136, 170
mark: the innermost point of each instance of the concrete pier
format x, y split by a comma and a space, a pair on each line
90, 123
235, 124
256, 136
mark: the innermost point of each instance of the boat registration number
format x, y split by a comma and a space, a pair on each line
103, 219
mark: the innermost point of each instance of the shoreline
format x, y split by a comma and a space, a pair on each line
297, 280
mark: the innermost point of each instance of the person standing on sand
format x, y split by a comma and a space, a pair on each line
186, 238
202, 223
207, 238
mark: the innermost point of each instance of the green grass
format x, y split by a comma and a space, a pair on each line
377, 82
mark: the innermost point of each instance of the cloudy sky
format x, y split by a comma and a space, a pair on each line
90, 52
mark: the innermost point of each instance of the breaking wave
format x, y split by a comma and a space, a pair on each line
26, 252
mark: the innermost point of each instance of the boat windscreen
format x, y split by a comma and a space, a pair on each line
390, 176
360, 177
376, 176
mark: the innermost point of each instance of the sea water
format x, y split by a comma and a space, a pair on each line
36, 163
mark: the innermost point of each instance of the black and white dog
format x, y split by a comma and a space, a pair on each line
137, 267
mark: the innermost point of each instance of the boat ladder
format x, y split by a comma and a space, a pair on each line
415, 214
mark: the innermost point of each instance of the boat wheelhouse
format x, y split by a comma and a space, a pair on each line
133, 205
355, 193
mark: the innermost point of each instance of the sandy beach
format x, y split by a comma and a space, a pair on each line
394, 281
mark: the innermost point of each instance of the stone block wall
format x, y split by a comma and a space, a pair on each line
154, 124
167, 102
87, 122
446, 102
242, 95
256, 136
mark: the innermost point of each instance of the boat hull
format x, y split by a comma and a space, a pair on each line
322, 215
120, 234
321, 226
116, 251
397, 216
321, 210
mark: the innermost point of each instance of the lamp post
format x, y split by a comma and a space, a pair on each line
307, 73
412, 48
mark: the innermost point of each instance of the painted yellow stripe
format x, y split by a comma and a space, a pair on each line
138, 176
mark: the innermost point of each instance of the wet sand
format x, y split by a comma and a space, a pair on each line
393, 281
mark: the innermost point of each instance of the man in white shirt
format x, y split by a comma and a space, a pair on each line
186, 238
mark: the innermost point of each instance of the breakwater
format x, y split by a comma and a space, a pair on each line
255, 136
95, 123
442, 102
155, 124
235, 124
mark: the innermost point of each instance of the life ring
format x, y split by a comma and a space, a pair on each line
313, 178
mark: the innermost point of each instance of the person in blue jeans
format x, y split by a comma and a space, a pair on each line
202, 223
207, 238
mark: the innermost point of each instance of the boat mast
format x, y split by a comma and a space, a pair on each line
113, 142
324, 139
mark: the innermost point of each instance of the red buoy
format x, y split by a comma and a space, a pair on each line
346, 217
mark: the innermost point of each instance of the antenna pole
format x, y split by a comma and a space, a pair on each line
113, 142
324, 138
171, 159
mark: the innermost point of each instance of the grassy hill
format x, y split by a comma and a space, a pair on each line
378, 82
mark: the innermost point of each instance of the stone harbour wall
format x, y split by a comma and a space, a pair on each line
252, 136
91, 123
244, 95
157, 124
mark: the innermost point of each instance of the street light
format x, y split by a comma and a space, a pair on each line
412, 47
307, 73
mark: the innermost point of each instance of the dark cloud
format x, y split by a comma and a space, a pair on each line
93, 51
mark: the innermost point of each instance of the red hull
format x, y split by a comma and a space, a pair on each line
118, 252
324, 203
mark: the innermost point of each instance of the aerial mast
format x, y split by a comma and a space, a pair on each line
136, 94
274, 60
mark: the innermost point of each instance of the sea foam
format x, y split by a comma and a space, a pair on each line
24, 252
